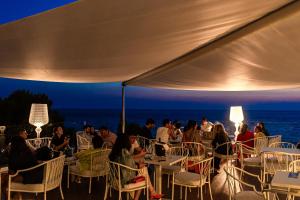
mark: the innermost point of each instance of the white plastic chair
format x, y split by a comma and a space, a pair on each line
188, 179
82, 143
248, 156
239, 189
145, 143
36, 143
98, 167
115, 178
197, 151
53, 171
230, 154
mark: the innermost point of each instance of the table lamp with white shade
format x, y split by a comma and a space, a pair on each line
38, 116
236, 116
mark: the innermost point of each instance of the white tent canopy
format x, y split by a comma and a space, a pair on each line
201, 44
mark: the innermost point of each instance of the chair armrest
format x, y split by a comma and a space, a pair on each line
27, 169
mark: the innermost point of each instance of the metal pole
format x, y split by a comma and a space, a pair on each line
123, 108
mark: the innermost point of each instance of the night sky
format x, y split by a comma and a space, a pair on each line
108, 95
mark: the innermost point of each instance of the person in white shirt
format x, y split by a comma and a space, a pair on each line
108, 137
87, 133
165, 132
206, 125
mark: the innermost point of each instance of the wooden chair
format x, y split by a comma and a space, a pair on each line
53, 171
98, 166
115, 180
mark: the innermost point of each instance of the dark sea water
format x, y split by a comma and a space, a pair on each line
286, 123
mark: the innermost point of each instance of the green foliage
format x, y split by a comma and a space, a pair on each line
15, 109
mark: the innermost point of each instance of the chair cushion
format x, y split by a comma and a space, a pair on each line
253, 161
246, 195
132, 186
15, 186
189, 178
86, 173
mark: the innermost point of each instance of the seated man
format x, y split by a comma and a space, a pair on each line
87, 134
165, 132
206, 125
59, 140
108, 137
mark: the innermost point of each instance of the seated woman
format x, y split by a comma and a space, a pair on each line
245, 136
121, 154
221, 137
258, 132
190, 132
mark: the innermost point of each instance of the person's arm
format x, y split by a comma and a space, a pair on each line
59, 147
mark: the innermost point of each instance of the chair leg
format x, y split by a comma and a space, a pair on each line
61, 192
180, 192
201, 193
168, 182
106, 188
120, 195
90, 185
210, 193
45, 195
8, 194
185, 195
68, 179
173, 188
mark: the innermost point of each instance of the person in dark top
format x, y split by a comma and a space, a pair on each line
22, 157
146, 130
59, 140
221, 137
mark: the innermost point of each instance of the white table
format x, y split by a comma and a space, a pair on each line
282, 181
3, 170
159, 163
282, 150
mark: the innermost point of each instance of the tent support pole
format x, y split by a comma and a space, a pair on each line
123, 108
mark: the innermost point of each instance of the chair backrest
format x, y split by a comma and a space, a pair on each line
145, 143
99, 162
82, 143
236, 183
53, 171
197, 151
273, 139
260, 143
203, 168
277, 161
283, 145
294, 166
227, 150
39, 142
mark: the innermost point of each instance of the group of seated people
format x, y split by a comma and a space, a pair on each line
125, 149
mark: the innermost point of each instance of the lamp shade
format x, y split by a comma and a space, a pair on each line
236, 114
38, 114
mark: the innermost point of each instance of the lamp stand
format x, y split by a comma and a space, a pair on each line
236, 131
38, 141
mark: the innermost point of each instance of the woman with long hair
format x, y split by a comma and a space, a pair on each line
121, 153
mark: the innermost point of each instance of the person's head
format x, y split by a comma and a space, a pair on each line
204, 121
22, 133
167, 123
257, 129
262, 125
58, 130
243, 128
18, 145
87, 128
219, 130
191, 125
132, 130
97, 142
150, 123
104, 131
122, 142
177, 124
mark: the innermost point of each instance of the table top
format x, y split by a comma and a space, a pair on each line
163, 161
282, 150
281, 179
